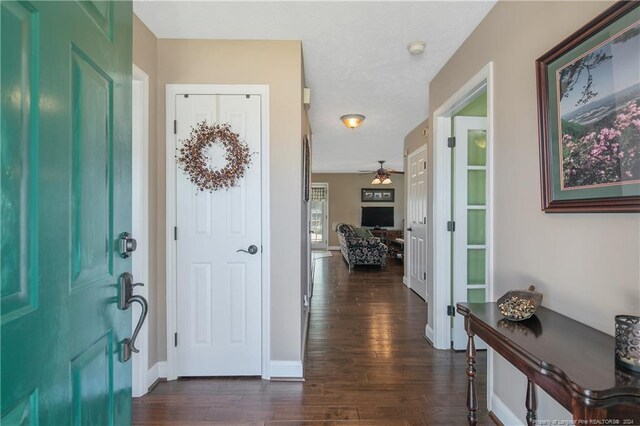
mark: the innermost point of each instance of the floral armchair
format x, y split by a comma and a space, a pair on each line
363, 249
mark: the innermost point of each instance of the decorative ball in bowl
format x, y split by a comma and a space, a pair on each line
519, 305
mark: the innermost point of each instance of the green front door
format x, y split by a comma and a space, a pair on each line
65, 181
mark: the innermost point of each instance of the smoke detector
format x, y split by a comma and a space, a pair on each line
416, 47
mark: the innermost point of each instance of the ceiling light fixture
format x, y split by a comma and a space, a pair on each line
352, 120
416, 47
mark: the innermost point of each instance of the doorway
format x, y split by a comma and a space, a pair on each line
469, 213
140, 221
319, 216
462, 200
217, 287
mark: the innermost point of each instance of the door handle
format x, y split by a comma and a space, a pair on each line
409, 229
128, 245
125, 299
251, 250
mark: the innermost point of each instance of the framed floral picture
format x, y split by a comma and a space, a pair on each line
589, 116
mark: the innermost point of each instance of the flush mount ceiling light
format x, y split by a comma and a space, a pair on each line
416, 47
352, 120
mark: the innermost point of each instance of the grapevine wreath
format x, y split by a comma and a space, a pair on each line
193, 161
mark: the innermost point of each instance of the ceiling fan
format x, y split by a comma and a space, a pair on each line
382, 175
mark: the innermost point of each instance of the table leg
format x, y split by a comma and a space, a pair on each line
531, 403
472, 398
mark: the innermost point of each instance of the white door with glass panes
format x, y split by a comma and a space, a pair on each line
319, 216
416, 235
219, 248
470, 208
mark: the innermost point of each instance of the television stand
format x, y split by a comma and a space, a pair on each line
380, 233
388, 237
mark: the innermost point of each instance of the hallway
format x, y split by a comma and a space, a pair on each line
367, 363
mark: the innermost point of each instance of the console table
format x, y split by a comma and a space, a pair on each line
572, 362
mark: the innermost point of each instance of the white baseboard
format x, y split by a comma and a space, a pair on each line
334, 248
158, 371
404, 281
429, 334
502, 412
286, 369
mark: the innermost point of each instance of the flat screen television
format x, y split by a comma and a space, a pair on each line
376, 217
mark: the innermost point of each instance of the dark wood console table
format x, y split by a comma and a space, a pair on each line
572, 362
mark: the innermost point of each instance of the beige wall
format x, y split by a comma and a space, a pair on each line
344, 198
277, 64
415, 139
586, 265
145, 57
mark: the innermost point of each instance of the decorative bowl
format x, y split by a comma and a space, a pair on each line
519, 305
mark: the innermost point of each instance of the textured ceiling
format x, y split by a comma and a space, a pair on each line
355, 59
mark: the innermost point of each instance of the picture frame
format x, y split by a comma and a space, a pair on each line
588, 101
306, 172
371, 195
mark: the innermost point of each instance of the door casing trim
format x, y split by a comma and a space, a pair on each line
170, 255
140, 217
439, 333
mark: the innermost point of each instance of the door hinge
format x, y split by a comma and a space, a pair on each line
175, 233
175, 127
425, 165
451, 312
424, 275
175, 340
451, 142
451, 226
425, 220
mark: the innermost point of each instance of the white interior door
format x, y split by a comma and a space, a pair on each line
469, 274
416, 236
219, 287
319, 216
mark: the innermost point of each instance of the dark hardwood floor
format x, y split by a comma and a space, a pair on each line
367, 363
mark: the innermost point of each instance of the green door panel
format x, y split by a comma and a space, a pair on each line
65, 183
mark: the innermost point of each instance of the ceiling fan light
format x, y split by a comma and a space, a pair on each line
376, 181
386, 181
352, 120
